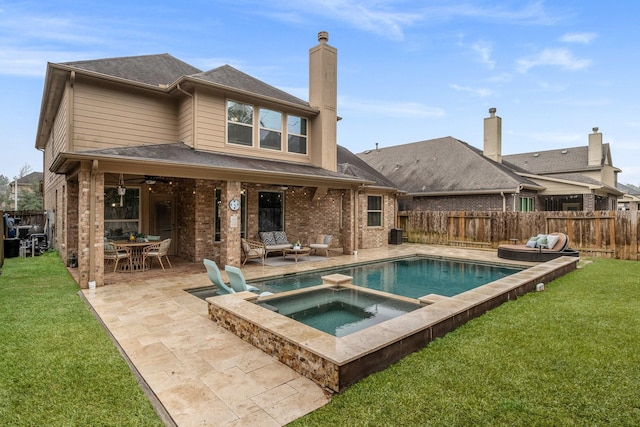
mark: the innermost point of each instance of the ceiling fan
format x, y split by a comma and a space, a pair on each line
149, 179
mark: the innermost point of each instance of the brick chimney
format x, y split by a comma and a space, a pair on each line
493, 136
323, 95
595, 148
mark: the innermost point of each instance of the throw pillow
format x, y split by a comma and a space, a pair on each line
267, 238
532, 242
552, 239
327, 239
542, 241
280, 237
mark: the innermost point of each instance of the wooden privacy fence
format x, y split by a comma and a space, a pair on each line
610, 234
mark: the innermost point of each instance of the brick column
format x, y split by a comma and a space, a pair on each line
230, 225
84, 224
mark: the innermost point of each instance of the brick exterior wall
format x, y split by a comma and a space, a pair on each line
375, 237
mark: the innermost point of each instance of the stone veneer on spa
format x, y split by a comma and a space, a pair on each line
335, 363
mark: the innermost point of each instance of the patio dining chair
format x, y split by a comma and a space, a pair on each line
157, 250
114, 252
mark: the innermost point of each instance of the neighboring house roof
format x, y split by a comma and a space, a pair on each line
629, 189
156, 70
29, 179
557, 161
180, 155
226, 75
443, 166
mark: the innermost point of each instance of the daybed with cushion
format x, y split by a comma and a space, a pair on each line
275, 241
541, 248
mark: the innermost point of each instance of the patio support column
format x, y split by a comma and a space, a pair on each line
230, 225
84, 226
348, 226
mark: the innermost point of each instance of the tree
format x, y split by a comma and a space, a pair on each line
5, 197
30, 200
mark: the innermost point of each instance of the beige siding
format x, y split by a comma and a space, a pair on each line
185, 121
59, 139
104, 118
211, 126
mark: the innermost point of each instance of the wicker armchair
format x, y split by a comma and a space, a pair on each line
253, 249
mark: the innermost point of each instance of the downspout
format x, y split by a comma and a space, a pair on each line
92, 227
518, 188
355, 214
504, 201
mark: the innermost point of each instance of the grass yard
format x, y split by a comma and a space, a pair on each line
569, 356
57, 365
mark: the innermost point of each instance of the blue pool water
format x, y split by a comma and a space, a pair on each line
412, 277
340, 312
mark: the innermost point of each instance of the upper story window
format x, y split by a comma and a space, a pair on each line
274, 130
239, 123
270, 129
374, 211
297, 134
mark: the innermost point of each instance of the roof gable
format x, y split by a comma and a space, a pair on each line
228, 76
161, 69
443, 165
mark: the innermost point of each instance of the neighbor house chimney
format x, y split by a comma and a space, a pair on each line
595, 148
323, 95
493, 136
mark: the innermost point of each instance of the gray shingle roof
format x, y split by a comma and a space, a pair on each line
180, 154
350, 164
443, 165
228, 76
553, 161
162, 69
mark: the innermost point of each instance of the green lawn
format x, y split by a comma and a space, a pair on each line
569, 356
57, 365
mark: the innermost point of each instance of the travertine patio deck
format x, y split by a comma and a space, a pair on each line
200, 373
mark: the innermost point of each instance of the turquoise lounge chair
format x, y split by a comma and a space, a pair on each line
237, 282
214, 275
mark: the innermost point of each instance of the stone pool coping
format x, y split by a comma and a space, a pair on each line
335, 363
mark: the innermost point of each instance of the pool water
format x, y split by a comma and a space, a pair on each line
340, 311
412, 277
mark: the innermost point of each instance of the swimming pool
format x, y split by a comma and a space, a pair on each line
412, 277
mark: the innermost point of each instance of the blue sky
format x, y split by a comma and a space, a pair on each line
407, 70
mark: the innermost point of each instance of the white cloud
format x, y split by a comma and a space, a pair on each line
584, 38
479, 92
553, 57
485, 49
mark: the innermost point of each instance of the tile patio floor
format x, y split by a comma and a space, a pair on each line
199, 374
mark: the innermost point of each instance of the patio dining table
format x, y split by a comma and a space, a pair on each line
137, 260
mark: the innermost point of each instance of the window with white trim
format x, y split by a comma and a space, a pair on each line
296, 134
374, 211
274, 130
239, 123
270, 129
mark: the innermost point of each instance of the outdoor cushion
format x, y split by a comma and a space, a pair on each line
267, 238
552, 240
281, 237
532, 242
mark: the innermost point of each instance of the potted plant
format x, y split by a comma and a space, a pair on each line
297, 245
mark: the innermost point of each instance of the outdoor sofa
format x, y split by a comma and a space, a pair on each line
541, 248
275, 241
